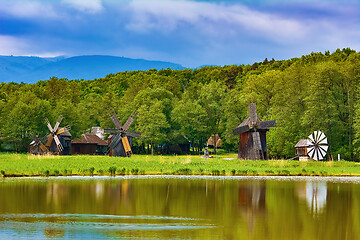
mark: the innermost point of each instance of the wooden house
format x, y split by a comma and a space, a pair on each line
89, 144
302, 150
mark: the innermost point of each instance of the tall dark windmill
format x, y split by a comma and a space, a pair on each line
252, 131
121, 142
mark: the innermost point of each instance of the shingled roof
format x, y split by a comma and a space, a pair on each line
302, 143
90, 139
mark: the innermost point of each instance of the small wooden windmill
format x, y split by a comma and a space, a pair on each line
252, 131
121, 141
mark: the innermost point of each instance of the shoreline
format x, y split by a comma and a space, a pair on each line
342, 179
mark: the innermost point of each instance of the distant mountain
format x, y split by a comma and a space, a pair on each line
33, 69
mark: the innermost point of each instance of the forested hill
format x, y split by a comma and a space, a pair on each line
319, 91
32, 69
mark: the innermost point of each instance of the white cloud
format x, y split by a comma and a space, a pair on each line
28, 9
212, 19
11, 45
20, 47
88, 6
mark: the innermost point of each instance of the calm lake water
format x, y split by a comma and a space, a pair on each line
180, 208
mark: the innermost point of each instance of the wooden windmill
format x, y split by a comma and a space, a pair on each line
121, 141
37, 147
57, 142
61, 136
252, 131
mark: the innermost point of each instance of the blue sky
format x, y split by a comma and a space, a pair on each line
191, 33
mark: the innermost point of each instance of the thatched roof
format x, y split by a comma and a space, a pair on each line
218, 141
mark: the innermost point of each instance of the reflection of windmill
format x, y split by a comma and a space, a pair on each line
61, 137
121, 141
252, 131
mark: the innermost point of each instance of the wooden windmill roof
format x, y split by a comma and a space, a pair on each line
246, 122
66, 133
302, 143
90, 139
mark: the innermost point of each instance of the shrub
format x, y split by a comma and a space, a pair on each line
135, 171
215, 172
112, 170
122, 171
183, 171
2, 172
233, 172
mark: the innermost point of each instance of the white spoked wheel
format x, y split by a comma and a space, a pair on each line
318, 145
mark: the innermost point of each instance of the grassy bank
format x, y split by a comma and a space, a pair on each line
30, 165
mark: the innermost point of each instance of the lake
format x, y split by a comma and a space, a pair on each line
158, 207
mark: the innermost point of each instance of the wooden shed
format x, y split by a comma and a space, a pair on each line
301, 150
89, 144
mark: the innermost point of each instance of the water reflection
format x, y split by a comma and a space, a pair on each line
314, 193
179, 208
252, 203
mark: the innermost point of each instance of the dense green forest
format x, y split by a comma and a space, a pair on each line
319, 91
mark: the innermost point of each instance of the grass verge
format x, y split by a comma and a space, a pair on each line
16, 165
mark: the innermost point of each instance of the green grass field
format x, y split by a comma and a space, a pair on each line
12, 165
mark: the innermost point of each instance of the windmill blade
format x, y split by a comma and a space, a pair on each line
128, 123
322, 153
311, 138
325, 148
316, 155
49, 141
115, 141
257, 143
133, 134
36, 139
60, 131
241, 129
49, 125
253, 114
126, 145
58, 143
323, 141
320, 136
310, 151
267, 124
112, 131
116, 121
57, 124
